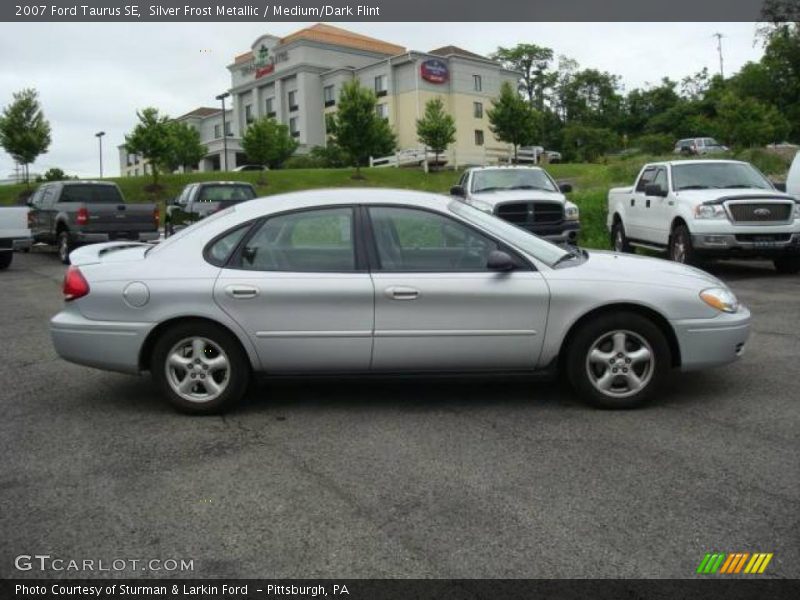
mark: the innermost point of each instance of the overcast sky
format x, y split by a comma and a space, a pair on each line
94, 77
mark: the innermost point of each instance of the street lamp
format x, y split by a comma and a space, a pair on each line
222, 97
99, 135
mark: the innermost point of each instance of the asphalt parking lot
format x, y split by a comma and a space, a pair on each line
400, 478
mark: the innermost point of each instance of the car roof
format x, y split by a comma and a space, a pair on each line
507, 168
223, 183
697, 161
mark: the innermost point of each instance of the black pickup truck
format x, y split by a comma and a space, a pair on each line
198, 200
68, 214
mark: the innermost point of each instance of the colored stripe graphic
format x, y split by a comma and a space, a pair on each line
732, 563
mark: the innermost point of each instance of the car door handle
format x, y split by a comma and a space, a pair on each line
241, 292
402, 293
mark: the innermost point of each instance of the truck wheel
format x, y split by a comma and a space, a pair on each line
201, 368
787, 265
64, 247
5, 259
680, 246
617, 360
619, 241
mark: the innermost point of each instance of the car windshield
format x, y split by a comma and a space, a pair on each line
489, 180
717, 175
226, 193
517, 237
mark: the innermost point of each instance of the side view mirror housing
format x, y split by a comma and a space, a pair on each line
457, 190
500, 261
565, 187
653, 189
779, 185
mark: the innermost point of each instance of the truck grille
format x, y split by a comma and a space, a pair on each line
760, 212
530, 213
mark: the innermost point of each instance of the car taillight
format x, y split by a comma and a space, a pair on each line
156, 216
75, 284
83, 216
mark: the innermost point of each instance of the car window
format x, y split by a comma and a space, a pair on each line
92, 194
661, 179
646, 178
219, 252
48, 198
225, 193
306, 241
36, 198
409, 239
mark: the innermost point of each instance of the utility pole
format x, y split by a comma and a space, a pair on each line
719, 37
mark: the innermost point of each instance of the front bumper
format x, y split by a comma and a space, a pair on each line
82, 237
712, 342
109, 345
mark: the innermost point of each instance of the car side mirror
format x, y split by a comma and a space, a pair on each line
779, 185
500, 261
565, 188
653, 189
457, 190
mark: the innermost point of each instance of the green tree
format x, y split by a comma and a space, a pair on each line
269, 143
53, 174
534, 62
591, 98
150, 139
588, 143
512, 120
24, 132
437, 129
357, 128
184, 148
747, 122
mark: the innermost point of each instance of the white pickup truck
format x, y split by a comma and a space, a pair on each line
696, 209
14, 232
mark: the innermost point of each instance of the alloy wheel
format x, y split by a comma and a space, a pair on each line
620, 363
197, 369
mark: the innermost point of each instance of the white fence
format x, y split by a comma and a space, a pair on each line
458, 158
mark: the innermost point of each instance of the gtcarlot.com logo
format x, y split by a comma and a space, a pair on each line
734, 563
47, 562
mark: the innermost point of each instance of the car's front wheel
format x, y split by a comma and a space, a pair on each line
617, 360
619, 239
200, 367
681, 249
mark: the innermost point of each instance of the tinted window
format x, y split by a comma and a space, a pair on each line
220, 250
717, 175
646, 178
91, 193
661, 179
225, 193
307, 241
416, 240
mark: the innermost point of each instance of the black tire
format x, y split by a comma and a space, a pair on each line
64, 246
235, 380
680, 247
787, 265
585, 375
168, 229
5, 259
619, 241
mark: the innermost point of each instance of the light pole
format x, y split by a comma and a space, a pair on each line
99, 135
222, 97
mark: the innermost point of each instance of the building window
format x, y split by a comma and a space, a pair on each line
248, 113
327, 95
380, 85
479, 137
294, 126
477, 83
270, 106
477, 109
382, 110
217, 131
293, 100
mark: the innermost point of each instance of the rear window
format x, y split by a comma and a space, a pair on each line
226, 193
91, 194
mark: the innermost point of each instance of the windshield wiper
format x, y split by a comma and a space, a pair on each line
528, 187
697, 187
487, 189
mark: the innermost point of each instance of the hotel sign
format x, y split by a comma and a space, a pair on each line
264, 62
434, 71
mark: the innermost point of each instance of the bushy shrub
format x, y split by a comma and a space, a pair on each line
655, 143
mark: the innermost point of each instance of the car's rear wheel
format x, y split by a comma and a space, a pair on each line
200, 367
787, 265
680, 246
64, 247
617, 360
618, 238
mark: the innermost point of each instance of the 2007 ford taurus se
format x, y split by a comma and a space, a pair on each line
385, 281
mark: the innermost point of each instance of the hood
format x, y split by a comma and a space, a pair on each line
612, 267
700, 196
504, 197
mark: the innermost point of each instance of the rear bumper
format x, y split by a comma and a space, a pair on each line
81, 237
109, 345
712, 342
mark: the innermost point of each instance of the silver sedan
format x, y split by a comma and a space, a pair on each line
385, 281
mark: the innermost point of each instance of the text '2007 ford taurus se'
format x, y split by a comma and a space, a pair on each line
385, 281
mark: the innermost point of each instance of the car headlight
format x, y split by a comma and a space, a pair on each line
720, 298
571, 212
709, 211
796, 211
